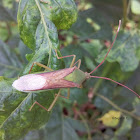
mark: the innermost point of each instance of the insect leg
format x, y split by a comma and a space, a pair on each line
41, 65
43, 1
54, 101
79, 63
37, 104
73, 60
68, 94
50, 107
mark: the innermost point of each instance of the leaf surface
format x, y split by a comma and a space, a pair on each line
6, 15
85, 30
124, 51
60, 127
9, 62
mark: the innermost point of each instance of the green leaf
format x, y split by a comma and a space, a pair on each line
63, 14
107, 90
111, 118
79, 95
43, 33
9, 62
58, 127
124, 51
85, 30
47, 131
9, 98
98, 137
76, 124
3, 31
93, 47
23, 50
136, 105
72, 49
138, 53
125, 127
135, 4
21, 120
136, 133
14, 109
117, 74
6, 14
45, 46
112, 11
89, 63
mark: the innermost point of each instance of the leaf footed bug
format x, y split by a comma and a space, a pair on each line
64, 78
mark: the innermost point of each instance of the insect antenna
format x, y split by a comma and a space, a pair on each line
103, 62
109, 48
116, 83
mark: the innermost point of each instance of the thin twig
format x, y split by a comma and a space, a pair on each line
9, 31
117, 107
124, 12
85, 123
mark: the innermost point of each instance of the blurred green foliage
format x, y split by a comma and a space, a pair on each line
88, 38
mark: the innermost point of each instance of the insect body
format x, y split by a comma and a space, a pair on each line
65, 78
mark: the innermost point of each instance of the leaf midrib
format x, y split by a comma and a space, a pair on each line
46, 30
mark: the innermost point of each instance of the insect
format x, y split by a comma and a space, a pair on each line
64, 78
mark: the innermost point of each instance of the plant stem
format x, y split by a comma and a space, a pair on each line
118, 108
85, 123
9, 31
124, 12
